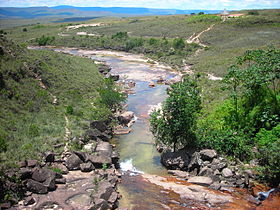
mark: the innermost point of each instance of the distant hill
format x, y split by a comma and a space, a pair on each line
65, 11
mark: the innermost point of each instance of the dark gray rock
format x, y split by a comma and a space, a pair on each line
99, 125
73, 162
175, 160
81, 155
195, 162
62, 168
125, 117
49, 157
205, 171
99, 160
29, 201
32, 163
87, 167
42, 174
208, 154
25, 173
105, 190
100, 204
218, 164
36, 187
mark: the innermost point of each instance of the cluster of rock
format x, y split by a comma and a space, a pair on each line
206, 168
96, 164
105, 69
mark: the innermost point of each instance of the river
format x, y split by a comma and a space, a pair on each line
145, 182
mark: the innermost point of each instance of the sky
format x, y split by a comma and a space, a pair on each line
164, 4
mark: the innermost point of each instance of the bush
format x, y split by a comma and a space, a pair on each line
226, 141
109, 94
203, 18
178, 43
120, 35
253, 13
45, 40
266, 137
70, 110
270, 160
176, 122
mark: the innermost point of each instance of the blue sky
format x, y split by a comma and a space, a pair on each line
166, 4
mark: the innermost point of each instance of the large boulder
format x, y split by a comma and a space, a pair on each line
99, 160
99, 125
126, 117
218, 164
195, 163
73, 162
208, 154
175, 160
49, 157
42, 174
201, 180
87, 167
104, 148
36, 187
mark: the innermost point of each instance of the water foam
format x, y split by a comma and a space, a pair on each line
127, 167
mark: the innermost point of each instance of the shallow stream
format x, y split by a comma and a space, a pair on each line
139, 158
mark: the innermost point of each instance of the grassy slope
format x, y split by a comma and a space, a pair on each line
233, 37
29, 122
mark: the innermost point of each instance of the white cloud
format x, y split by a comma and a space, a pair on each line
167, 4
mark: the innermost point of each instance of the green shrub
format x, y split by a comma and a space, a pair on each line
120, 35
110, 95
266, 137
270, 163
253, 12
226, 141
203, 18
3, 144
178, 43
45, 40
175, 123
69, 110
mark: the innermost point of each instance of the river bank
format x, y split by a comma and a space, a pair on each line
142, 188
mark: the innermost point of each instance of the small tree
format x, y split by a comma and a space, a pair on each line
176, 122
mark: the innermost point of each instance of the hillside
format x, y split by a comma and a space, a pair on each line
39, 90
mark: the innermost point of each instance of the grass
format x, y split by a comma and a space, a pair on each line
30, 123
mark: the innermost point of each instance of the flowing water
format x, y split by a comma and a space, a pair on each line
139, 158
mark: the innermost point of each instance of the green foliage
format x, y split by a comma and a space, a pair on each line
176, 122
254, 83
45, 40
110, 95
178, 43
69, 110
3, 144
225, 141
203, 18
266, 137
201, 13
104, 166
120, 35
269, 156
253, 12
